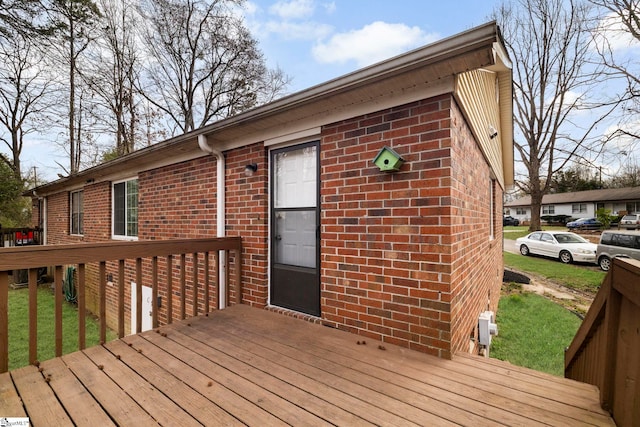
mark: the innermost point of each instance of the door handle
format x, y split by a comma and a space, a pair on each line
278, 237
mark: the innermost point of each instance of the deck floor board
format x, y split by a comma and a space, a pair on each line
246, 366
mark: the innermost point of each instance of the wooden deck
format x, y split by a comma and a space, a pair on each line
249, 366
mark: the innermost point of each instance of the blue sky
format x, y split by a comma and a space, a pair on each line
314, 41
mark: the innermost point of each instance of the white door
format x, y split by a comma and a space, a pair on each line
147, 322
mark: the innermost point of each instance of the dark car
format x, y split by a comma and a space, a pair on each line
509, 220
584, 224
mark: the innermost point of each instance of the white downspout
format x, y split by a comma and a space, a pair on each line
221, 218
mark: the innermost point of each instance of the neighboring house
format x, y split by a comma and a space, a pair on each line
410, 257
579, 204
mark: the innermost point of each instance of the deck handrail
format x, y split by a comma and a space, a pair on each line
604, 351
32, 258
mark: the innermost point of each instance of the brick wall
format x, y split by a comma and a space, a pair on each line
406, 257
247, 201
476, 275
389, 240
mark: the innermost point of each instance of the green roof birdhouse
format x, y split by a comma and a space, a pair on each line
388, 160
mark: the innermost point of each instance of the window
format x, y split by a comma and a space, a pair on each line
578, 208
548, 210
77, 212
633, 207
492, 208
521, 211
125, 208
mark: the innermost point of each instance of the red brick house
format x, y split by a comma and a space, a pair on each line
410, 257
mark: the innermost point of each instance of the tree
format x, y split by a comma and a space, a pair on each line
113, 70
14, 209
23, 17
75, 19
204, 64
554, 77
621, 22
574, 179
24, 95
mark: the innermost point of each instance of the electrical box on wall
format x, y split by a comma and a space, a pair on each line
388, 160
486, 327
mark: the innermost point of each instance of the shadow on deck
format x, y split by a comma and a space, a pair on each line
248, 366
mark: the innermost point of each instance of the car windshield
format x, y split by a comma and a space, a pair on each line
569, 238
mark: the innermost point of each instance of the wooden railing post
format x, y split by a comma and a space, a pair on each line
81, 307
57, 289
194, 285
4, 321
138, 296
33, 316
121, 298
183, 286
154, 292
102, 298
238, 276
206, 282
169, 289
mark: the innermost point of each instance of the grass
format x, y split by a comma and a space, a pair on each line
533, 332
572, 276
19, 327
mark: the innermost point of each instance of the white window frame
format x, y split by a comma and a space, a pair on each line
492, 206
521, 211
115, 236
80, 223
548, 209
579, 208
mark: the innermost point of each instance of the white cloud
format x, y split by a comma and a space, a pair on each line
372, 43
294, 9
614, 35
298, 31
329, 7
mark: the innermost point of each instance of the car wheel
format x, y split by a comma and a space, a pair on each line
565, 257
605, 263
524, 250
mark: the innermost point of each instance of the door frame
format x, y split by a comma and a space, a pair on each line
271, 258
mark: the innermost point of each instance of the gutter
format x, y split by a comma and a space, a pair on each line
221, 217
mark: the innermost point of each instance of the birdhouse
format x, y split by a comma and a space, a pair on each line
388, 160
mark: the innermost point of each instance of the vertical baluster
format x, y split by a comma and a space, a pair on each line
138, 296
169, 289
4, 321
194, 307
121, 298
154, 292
102, 300
227, 303
33, 316
206, 282
57, 289
81, 307
183, 286
238, 276
217, 272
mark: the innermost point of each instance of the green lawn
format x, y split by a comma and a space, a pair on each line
573, 276
19, 327
533, 332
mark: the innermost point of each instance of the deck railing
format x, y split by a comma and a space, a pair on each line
606, 349
163, 252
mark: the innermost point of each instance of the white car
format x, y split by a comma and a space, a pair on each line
563, 245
